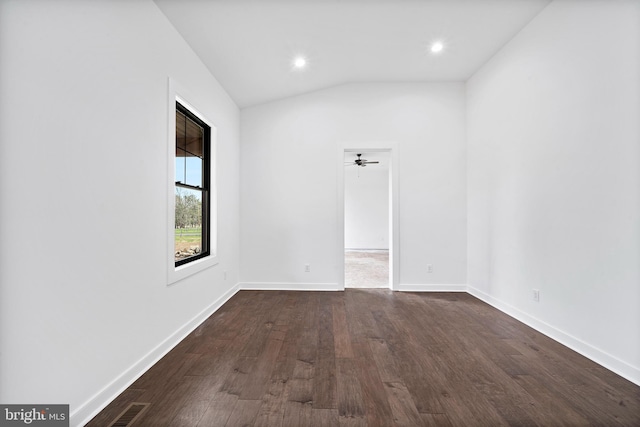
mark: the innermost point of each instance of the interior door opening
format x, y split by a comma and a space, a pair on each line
367, 219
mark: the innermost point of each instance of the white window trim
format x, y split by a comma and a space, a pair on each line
175, 274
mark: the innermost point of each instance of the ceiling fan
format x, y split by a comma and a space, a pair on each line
360, 162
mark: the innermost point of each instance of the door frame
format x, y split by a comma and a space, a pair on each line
394, 220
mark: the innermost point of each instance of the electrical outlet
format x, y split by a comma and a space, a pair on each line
536, 295
307, 268
429, 268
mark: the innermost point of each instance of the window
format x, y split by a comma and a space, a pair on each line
192, 187
192, 202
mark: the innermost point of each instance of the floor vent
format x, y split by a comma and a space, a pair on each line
129, 415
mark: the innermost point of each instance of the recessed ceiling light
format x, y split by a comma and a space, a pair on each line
437, 47
299, 62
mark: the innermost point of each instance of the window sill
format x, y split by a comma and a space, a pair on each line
176, 274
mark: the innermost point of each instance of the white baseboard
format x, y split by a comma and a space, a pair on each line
610, 362
366, 249
100, 400
281, 286
412, 287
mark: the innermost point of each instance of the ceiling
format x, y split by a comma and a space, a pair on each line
250, 45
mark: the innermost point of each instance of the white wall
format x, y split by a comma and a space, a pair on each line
554, 181
289, 174
84, 302
366, 206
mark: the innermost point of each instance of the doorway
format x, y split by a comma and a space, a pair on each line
366, 219
368, 214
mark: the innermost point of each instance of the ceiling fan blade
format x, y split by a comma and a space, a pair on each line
369, 163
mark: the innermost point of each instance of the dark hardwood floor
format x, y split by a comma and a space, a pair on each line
373, 358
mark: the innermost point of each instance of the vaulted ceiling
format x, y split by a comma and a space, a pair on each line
250, 45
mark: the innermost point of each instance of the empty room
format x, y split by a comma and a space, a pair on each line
320, 212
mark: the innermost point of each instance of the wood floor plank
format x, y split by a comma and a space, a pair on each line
373, 358
256, 302
244, 413
288, 311
199, 397
360, 321
190, 413
402, 407
349, 393
288, 355
164, 409
435, 420
342, 339
297, 414
307, 348
300, 386
345, 421
374, 397
208, 362
548, 409
384, 361
271, 413
166, 378
324, 383
414, 366
236, 380
324, 380
265, 320
324, 418
257, 382
219, 410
